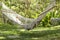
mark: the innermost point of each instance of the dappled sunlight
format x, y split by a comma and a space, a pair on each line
8, 32
46, 28
31, 35
1, 37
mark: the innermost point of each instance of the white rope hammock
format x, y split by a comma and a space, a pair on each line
27, 23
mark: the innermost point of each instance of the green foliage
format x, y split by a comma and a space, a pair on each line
32, 9
0, 7
10, 32
43, 32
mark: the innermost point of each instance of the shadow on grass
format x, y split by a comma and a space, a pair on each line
39, 33
28, 35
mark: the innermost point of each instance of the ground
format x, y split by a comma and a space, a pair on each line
39, 33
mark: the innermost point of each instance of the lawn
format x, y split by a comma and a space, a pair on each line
39, 33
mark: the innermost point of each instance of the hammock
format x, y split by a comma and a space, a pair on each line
27, 23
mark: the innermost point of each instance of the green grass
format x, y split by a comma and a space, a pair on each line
8, 32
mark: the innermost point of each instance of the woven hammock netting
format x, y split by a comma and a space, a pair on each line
27, 23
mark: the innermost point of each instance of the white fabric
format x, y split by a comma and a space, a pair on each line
13, 16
